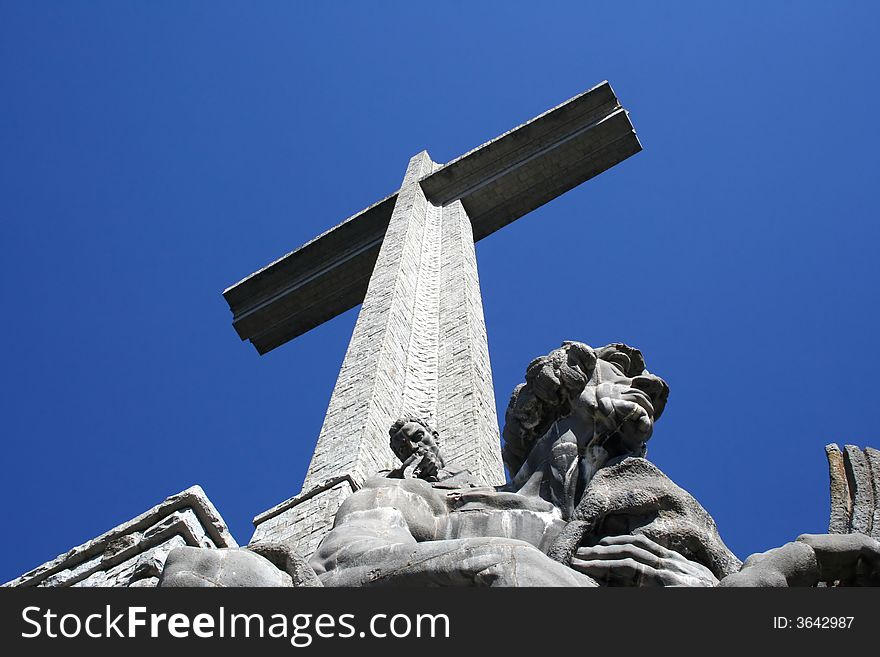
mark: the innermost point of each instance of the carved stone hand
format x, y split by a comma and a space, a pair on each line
636, 560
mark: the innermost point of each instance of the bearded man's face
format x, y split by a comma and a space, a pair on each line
412, 438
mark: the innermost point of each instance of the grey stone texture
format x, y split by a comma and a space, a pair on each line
839, 523
465, 409
370, 390
190, 567
259, 565
811, 560
855, 490
550, 526
134, 553
304, 519
584, 508
288, 560
633, 497
497, 182
419, 346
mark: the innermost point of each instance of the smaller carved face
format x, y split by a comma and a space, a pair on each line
413, 438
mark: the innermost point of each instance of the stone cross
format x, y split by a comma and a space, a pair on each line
419, 345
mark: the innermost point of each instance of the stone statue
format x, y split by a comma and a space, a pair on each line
583, 506
836, 559
580, 412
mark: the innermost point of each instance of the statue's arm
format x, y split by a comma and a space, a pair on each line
812, 558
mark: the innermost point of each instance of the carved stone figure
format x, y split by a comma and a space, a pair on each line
259, 564
579, 412
834, 559
583, 506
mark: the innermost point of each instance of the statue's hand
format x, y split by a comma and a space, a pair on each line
847, 558
638, 561
204, 567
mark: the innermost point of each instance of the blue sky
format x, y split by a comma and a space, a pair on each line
151, 154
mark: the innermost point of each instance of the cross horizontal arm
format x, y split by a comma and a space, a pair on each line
497, 183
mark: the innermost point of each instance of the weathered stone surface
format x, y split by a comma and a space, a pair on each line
427, 523
419, 346
636, 560
228, 567
303, 520
133, 553
289, 560
585, 508
851, 560
855, 490
833, 559
858, 475
465, 409
146, 583
580, 412
841, 504
634, 497
873, 457
793, 564
370, 389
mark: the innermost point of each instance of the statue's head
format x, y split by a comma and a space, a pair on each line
411, 435
607, 389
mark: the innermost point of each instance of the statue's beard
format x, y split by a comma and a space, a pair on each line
622, 426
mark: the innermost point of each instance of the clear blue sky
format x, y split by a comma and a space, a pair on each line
152, 154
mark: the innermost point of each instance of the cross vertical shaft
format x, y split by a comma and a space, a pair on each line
419, 347
466, 397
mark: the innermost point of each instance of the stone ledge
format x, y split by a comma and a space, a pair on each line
303, 496
136, 548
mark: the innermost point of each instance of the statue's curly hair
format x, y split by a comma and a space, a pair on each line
552, 382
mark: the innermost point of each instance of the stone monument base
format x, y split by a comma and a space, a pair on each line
134, 553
